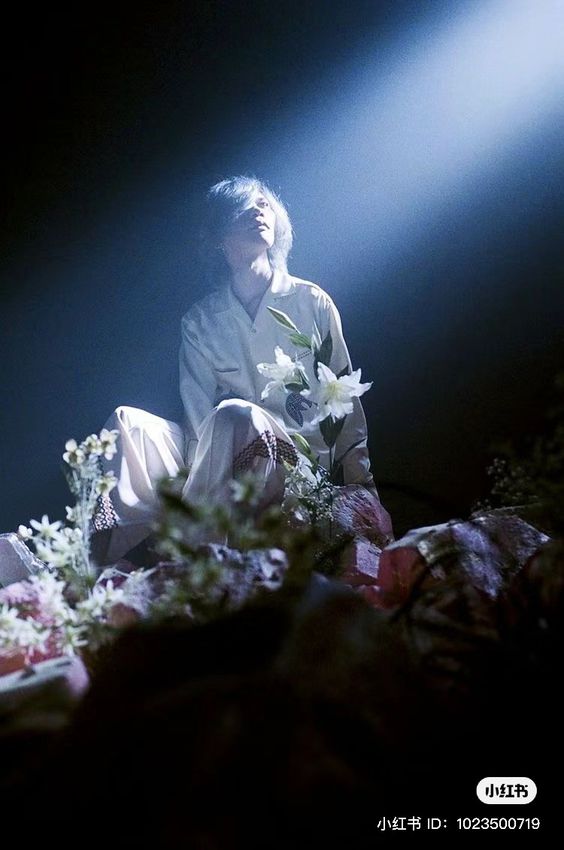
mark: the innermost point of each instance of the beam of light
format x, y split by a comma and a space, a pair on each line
406, 130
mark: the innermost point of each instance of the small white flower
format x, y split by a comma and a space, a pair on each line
106, 484
97, 605
108, 442
54, 557
335, 394
47, 585
24, 533
61, 549
51, 602
74, 454
92, 445
17, 633
9, 617
46, 529
71, 514
70, 638
67, 548
284, 371
73, 534
65, 543
44, 551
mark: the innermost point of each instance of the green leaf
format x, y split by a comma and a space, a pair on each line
324, 353
299, 339
304, 447
330, 429
283, 319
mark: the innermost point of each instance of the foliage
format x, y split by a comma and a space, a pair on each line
533, 474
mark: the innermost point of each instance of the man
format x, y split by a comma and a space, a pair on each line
235, 422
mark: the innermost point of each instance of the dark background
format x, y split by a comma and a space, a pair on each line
115, 121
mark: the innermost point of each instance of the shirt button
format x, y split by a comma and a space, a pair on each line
253, 330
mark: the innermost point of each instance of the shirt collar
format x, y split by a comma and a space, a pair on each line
281, 285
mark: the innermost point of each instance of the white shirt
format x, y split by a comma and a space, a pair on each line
222, 345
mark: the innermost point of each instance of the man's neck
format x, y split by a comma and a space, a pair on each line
250, 281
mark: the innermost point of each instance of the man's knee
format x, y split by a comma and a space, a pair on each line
234, 410
125, 413
123, 418
129, 418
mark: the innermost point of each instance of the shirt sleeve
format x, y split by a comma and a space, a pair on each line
356, 462
197, 386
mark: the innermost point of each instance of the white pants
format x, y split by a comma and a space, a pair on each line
236, 436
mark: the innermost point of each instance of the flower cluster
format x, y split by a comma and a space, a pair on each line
21, 635
93, 446
38, 622
332, 394
66, 549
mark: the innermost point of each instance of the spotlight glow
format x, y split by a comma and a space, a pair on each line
427, 121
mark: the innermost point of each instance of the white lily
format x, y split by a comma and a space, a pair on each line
284, 371
335, 394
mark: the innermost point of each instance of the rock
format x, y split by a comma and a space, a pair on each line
451, 585
535, 601
11, 661
358, 511
372, 594
264, 566
66, 678
16, 560
488, 549
361, 563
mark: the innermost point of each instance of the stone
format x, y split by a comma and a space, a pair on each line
65, 676
357, 510
535, 601
488, 549
360, 563
17, 562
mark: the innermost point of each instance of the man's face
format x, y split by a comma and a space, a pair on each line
253, 227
